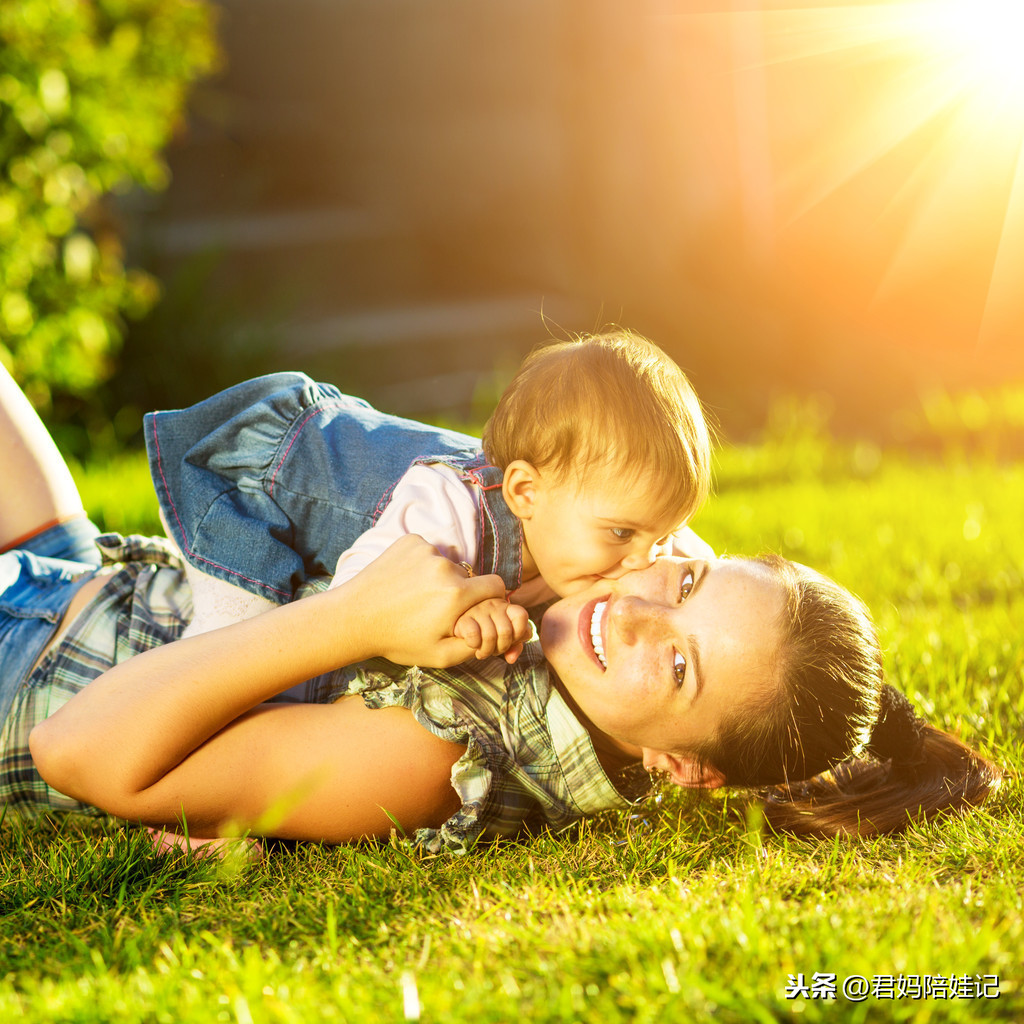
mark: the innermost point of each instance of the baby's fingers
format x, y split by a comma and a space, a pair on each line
512, 627
520, 619
489, 637
467, 629
450, 652
494, 627
512, 654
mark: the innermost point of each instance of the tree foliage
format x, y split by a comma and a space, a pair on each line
90, 93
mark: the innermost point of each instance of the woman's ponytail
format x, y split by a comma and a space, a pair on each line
871, 796
898, 735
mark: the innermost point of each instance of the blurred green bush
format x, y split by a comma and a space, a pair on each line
90, 92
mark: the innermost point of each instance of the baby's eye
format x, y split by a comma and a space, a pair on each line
679, 669
621, 533
686, 585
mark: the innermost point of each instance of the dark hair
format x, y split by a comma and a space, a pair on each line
832, 749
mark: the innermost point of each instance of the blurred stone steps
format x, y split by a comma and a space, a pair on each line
418, 358
297, 257
355, 195
467, 319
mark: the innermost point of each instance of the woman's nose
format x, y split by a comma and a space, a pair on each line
633, 618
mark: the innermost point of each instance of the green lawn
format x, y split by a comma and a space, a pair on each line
679, 913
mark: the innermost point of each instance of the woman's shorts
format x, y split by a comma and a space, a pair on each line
37, 581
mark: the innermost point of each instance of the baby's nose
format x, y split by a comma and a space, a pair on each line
641, 558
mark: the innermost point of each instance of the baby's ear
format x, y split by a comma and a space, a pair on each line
519, 488
685, 771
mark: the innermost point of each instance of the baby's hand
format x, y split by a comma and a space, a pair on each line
494, 627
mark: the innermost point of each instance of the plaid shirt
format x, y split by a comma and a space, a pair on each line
144, 604
528, 760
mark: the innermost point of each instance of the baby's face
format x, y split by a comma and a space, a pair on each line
602, 528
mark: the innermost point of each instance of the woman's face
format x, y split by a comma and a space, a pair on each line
657, 659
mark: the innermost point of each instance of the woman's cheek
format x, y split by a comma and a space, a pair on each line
633, 680
554, 634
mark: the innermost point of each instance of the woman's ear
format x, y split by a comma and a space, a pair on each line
519, 488
684, 771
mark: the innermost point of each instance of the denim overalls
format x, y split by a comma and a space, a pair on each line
266, 484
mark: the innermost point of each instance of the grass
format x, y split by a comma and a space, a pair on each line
679, 912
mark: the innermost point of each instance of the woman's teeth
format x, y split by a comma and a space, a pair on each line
595, 631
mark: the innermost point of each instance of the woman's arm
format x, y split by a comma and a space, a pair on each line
178, 730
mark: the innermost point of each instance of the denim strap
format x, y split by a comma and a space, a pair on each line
501, 533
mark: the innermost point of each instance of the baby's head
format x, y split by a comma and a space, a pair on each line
605, 452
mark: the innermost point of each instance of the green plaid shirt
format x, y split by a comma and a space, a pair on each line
144, 604
528, 761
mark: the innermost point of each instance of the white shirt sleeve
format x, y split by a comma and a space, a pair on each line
216, 603
433, 501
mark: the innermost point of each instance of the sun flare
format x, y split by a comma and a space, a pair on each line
917, 153
983, 37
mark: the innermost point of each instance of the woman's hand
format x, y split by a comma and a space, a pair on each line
408, 601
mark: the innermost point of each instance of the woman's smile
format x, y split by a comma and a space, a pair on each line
591, 630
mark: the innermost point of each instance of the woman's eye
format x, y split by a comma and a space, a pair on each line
686, 585
679, 669
621, 533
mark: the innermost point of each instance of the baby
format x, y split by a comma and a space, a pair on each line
595, 458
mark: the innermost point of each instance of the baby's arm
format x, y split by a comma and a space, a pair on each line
433, 502
430, 501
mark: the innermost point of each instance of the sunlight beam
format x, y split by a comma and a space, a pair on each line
916, 172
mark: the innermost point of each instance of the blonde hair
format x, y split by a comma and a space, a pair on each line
607, 401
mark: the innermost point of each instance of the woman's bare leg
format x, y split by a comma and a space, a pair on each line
36, 487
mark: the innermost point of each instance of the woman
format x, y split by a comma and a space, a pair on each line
713, 672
